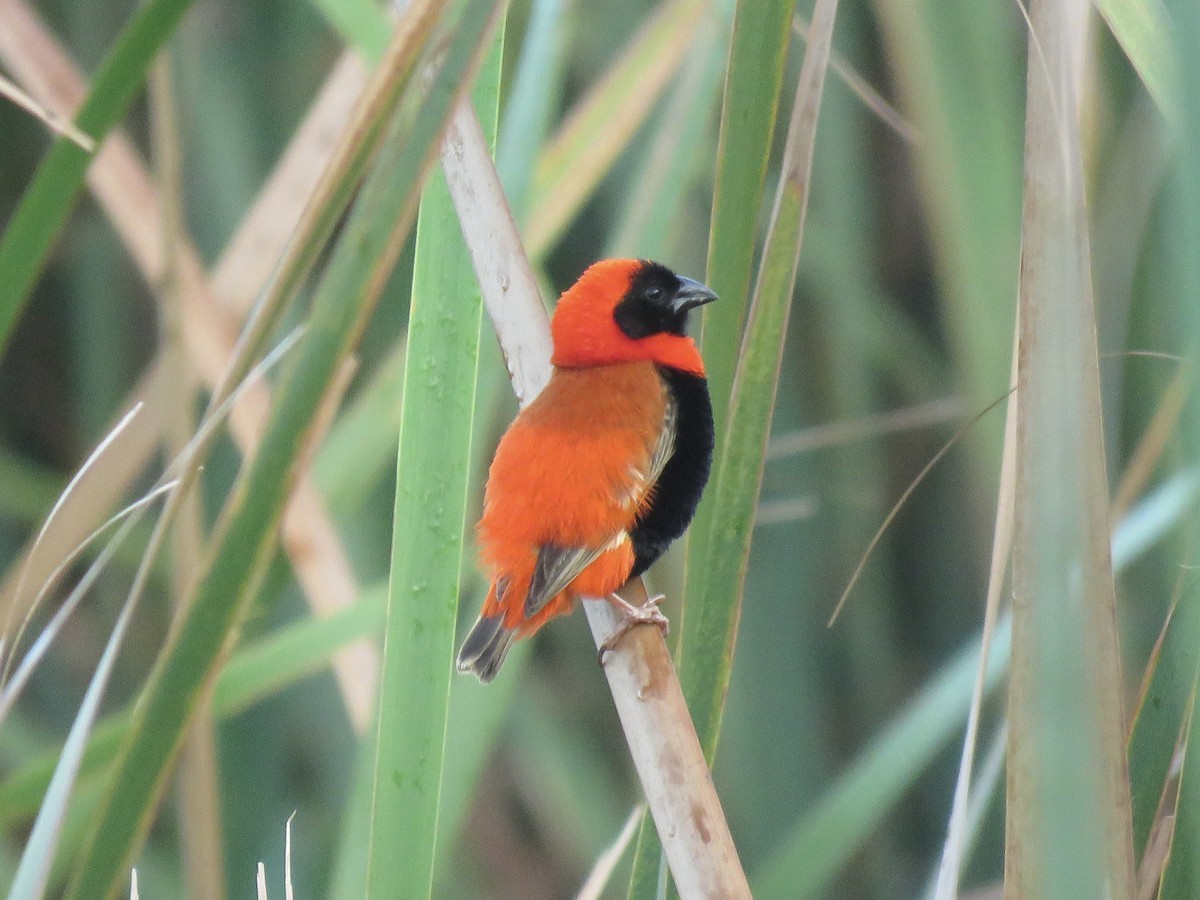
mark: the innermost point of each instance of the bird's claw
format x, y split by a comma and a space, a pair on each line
631, 616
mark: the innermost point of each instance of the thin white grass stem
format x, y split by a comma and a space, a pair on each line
982, 794
287, 858
861, 88
598, 878
833, 434
69, 130
79, 475
33, 872
215, 416
1002, 535
131, 516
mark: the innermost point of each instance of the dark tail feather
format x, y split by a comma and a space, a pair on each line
486, 646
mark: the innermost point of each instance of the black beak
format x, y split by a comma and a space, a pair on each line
690, 295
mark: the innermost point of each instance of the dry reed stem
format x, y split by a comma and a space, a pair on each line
119, 179
662, 740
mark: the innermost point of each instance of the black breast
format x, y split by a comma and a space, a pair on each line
678, 489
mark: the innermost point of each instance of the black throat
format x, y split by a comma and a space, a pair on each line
678, 489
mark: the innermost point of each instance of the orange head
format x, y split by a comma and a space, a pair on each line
627, 310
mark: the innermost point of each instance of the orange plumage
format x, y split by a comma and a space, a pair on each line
571, 507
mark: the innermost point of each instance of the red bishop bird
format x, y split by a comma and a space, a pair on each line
603, 470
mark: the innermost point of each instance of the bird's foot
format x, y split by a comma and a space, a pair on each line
631, 616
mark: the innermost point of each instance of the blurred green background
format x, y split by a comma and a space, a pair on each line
901, 331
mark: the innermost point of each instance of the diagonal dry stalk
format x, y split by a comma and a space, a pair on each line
120, 181
662, 740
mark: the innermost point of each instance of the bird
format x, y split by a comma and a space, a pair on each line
597, 476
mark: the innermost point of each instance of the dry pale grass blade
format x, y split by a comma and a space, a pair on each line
323, 571
121, 183
200, 809
177, 475
133, 884
252, 252
605, 119
871, 98
260, 882
80, 512
954, 849
64, 129
101, 450
1068, 829
1152, 866
662, 741
833, 434
13, 686
597, 880
1154, 862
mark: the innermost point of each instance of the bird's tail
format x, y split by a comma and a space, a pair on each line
486, 646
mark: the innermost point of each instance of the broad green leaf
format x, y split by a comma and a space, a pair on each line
1068, 826
714, 600
427, 541
1143, 29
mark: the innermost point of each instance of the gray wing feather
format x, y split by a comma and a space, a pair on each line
556, 568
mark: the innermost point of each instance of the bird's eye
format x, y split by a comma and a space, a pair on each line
654, 293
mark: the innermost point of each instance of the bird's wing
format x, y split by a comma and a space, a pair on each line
665, 446
558, 566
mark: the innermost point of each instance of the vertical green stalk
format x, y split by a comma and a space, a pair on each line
761, 33
1068, 811
427, 539
39, 219
1180, 661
